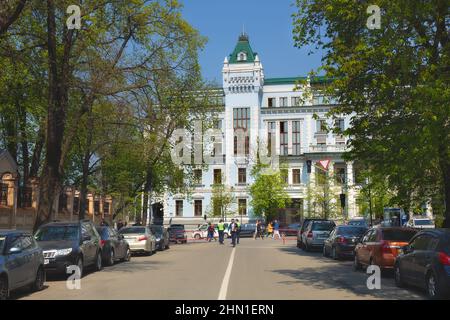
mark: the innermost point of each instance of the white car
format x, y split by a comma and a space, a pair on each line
202, 232
421, 223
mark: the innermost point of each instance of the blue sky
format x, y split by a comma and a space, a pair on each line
268, 24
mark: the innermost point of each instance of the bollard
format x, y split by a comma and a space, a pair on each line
283, 236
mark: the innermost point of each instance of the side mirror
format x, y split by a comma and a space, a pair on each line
15, 250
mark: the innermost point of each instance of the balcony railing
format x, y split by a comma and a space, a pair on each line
327, 148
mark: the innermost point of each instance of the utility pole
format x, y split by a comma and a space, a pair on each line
370, 201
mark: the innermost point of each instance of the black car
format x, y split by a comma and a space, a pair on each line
114, 246
342, 241
425, 263
162, 236
177, 233
248, 230
70, 243
303, 225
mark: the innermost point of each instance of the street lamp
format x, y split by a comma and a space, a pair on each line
370, 200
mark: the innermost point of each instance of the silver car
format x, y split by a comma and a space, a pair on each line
316, 233
140, 239
21, 262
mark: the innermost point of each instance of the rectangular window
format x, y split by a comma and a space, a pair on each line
198, 176
339, 172
62, 203
321, 126
241, 122
296, 101
76, 205
27, 197
296, 149
242, 205
340, 125
198, 208
242, 176
217, 176
271, 102
283, 102
271, 131
296, 176
106, 208
179, 208
3, 194
283, 138
285, 175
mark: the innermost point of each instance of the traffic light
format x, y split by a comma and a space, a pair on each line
308, 165
342, 196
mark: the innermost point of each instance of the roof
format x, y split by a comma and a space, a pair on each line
7, 163
243, 45
294, 80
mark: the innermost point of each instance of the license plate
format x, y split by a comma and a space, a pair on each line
46, 261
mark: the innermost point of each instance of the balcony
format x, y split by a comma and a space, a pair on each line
327, 148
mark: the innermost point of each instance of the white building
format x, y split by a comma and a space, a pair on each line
268, 107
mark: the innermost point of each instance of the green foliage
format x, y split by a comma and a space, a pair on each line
394, 82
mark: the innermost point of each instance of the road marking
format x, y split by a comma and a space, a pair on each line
226, 278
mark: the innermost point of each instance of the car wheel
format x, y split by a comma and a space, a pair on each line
39, 282
225, 235
398, 277
98, 261
356, 264
197, 237
127, 255
4, 291
111, 257
432, 286
324, 251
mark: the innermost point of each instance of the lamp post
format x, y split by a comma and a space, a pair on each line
370, 200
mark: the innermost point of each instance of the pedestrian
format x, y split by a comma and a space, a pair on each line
221, 229
276, 230
210, 232
238, 231
233, 229
119, 225
269, 229
256, 229
260, 230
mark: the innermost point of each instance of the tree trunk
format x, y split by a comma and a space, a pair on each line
37, 152
50, 182
147, 191
446, 177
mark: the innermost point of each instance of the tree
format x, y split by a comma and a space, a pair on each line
268, 192
222, 201
394, 83
10, 11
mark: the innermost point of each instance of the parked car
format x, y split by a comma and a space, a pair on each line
140, 239
342, 241
315, 234
303, 225
291, 229
380, 246
248, 230
114, 246
177, 233
425, 263
161, 235
202, 232
421, 223
21, 262
70, 243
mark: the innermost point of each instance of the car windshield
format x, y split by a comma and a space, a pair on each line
2, 243
322, 226
132, 230
351, 231
357, 223
423, 222
57, 233
398, 235
156, 231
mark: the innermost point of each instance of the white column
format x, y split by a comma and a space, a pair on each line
277, 137
290, 137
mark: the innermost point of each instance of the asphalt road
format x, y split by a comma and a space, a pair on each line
254, 270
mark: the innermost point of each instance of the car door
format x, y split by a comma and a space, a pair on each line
120, 243
16, 262
30, 255
373, 247
424, 246
362, 248
330, 240
87, 244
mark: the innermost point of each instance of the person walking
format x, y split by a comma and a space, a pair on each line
208, 230
276, 230
256, 230
269, 229
120, 225
238, 231
233, 230
221, 230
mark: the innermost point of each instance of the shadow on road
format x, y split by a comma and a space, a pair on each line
332, 274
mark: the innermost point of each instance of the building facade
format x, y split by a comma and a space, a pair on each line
277, 111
